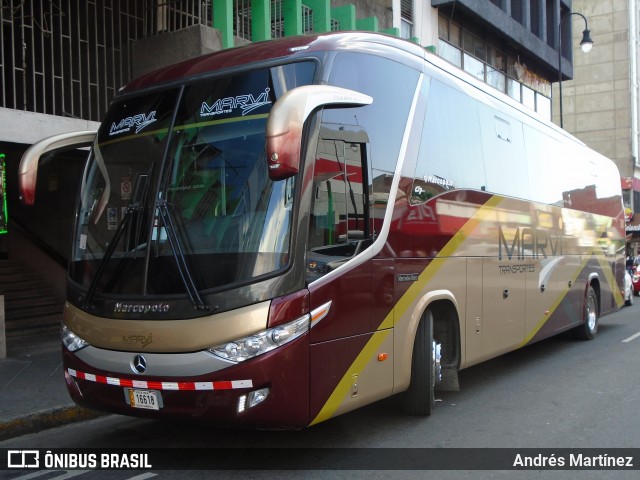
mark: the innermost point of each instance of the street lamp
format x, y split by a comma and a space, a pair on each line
586, 44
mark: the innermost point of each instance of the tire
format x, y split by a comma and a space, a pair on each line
589, 328
419, 399
629, 302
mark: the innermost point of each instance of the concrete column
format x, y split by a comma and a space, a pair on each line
526, 13
542, 20
321, 14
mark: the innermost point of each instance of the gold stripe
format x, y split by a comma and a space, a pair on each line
367, 353
596, 252
554, 306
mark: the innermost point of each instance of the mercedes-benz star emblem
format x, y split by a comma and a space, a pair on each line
139, 364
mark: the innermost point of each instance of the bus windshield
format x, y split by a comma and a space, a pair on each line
177, 187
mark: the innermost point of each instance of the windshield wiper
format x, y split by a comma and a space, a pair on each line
178, 255
138, 197
126, 219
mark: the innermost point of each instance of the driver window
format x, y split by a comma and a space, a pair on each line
339, 221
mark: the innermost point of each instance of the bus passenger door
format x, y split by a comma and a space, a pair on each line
340, 230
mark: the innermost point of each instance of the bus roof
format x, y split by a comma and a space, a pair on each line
266, 50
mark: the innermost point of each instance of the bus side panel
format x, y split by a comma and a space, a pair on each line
341, 382
554, 280
350, 297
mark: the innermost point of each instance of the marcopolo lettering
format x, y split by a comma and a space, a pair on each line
140, 308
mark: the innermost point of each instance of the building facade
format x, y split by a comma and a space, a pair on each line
62, 61
602, 101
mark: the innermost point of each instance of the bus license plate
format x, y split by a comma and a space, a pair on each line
144, 399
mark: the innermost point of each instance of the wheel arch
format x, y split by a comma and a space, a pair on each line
446, 330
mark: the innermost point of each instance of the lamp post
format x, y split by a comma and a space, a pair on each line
586, 44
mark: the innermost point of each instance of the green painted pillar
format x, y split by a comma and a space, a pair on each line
260, 20
369, 24
392, 31
321, 14
346, 16
292, 11
223, 21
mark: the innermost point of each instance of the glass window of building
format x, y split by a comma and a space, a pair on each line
528, 97
474, 66
406, 18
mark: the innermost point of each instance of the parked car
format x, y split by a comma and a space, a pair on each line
629, 287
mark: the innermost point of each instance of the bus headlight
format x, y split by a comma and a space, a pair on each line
71, 341
262, 342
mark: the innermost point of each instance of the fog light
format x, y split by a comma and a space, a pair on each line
257, 397
252, 399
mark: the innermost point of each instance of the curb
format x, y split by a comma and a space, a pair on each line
45, 419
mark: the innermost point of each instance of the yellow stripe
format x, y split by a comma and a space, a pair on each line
596, 252
447, 251
611, 279
555, 305
342, 389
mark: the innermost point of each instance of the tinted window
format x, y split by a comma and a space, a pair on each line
451, 153
392, 86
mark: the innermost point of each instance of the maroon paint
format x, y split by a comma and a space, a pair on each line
285, 371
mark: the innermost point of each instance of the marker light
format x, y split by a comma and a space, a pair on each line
71, 341
262, 342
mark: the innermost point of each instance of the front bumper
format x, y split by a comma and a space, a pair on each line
207, 397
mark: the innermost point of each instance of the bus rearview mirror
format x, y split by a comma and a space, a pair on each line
28, 170
287, 117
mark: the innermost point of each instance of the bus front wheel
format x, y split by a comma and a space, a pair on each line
589, 329
425, 370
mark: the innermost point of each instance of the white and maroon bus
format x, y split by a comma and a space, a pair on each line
273, 235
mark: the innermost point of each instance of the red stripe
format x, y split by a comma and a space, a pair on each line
222, 386
125, 382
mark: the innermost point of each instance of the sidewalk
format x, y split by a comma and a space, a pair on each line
33, 395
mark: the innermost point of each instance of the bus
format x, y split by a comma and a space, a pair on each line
273, 235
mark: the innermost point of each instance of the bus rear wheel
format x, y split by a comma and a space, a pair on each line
589, 328
425, 370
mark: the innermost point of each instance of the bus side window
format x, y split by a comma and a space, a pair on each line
339, 220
